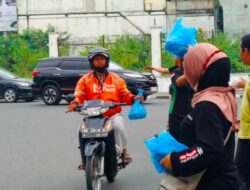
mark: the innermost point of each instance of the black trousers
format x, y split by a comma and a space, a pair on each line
243, 161
174, 123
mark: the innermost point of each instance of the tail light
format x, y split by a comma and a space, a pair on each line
35, 73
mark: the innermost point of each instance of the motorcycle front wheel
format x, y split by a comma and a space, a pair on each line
93, 168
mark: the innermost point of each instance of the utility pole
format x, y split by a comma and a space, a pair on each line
156, 48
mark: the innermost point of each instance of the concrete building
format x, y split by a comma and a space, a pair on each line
87, 20
236, 16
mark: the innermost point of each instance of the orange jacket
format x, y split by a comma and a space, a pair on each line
113, 89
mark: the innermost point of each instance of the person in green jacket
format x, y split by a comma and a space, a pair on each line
181, 96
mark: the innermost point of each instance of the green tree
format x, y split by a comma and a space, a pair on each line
230, 46
131, 52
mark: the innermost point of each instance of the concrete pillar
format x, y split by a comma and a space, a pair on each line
53, 45
22, 24
156, 48
162, 81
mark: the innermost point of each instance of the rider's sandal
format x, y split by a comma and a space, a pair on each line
81, 167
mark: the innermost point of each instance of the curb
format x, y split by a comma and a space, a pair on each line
167, 96
160, 96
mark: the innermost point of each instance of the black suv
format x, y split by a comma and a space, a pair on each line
55, 78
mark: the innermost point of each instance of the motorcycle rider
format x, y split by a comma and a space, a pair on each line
107, 86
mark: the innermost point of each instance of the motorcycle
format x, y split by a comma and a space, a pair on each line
100, 155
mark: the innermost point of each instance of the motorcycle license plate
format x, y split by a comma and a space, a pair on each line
94, 133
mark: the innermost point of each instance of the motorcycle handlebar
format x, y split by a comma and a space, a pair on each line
78, 108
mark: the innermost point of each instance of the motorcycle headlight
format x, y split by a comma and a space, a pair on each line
91, 111
94, 111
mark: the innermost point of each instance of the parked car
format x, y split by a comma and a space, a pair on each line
56, 78
13, 88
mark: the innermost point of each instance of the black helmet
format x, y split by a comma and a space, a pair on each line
98, 51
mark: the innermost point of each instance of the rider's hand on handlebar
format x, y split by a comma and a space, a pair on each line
141, 98
72, 106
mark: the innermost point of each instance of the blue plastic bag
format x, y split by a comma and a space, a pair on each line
179, 38
138, 110
160, 146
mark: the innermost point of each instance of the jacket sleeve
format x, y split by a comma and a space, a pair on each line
80, 91
209, 146
124, 93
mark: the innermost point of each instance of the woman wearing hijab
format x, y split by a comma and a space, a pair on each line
210, 123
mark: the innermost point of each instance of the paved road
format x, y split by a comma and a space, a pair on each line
38, 148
